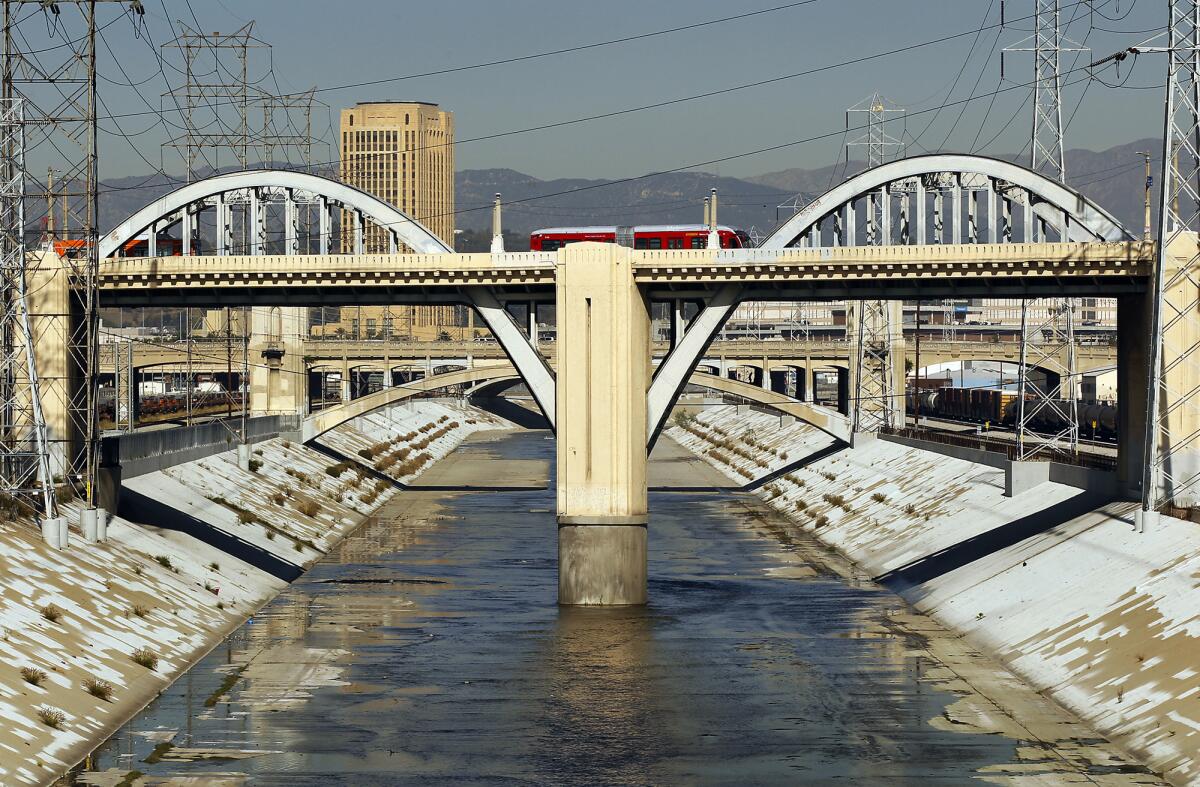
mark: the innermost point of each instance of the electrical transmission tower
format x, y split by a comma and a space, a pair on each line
1047, 44
57, 85
875, 322
219, 96
1172, 471
1047, 324
875, 138
215, 99
24, 454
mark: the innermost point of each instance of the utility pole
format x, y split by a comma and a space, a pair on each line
1146, 231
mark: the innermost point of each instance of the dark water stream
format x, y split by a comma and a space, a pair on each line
432, 651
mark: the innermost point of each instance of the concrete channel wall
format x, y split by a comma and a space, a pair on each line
144, 452
1059, 473
138, 610
1055, 582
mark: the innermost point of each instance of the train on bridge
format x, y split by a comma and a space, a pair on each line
649, 236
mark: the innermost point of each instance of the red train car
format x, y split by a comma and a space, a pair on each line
654, 236
135, 247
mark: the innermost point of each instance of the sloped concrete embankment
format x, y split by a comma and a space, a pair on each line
90, 634
1055, 582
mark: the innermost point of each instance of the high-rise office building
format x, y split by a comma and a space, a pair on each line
403, 153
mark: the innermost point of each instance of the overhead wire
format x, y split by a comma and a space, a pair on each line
420, 220
693, 97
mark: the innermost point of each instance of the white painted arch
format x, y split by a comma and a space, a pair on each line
1087, 220
408, 230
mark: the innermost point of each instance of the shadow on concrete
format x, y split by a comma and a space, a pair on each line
977, 547
505, 408
804, 461
139, 508
335, 454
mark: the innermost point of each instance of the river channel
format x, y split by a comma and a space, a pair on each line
428, 649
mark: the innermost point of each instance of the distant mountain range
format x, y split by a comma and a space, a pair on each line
1113, 178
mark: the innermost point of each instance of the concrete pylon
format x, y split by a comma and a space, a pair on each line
278, 376
52, 319
603, 376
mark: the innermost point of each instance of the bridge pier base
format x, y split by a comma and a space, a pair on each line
1133, 372
603, 376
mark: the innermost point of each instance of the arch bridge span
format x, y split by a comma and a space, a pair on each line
927, 228
481, 378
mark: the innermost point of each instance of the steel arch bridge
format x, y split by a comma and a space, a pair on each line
247, 195
970, 199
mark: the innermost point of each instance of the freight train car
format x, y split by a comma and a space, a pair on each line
1001, 408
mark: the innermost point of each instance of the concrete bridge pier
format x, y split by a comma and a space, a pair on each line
1133, 371
603, 377
278, 378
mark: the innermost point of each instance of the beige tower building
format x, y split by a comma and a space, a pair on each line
403, 153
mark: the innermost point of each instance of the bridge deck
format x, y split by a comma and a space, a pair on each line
314, 279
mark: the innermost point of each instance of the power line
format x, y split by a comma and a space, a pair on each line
684, 99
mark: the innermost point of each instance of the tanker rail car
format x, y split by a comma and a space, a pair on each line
999, 408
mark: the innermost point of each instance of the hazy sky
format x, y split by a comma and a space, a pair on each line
316, 42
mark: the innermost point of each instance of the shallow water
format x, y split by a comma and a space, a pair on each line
433, 652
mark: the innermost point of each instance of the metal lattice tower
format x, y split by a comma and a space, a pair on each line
875, 393
216, 97
24, 457
1172, 475
1047, 343
875, 139
1047, 323
875, 400
58, 88
1047, 43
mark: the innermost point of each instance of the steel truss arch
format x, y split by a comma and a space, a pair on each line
176, 206
255, 188
954, 198
939, 175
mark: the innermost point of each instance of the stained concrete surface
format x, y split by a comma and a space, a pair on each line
427, 649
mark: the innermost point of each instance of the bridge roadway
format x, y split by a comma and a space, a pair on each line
893, 272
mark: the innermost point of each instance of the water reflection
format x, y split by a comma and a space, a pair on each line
604, 707
427, 648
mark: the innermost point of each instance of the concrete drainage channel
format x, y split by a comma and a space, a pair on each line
1053, 580
1050, 581
94, 624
